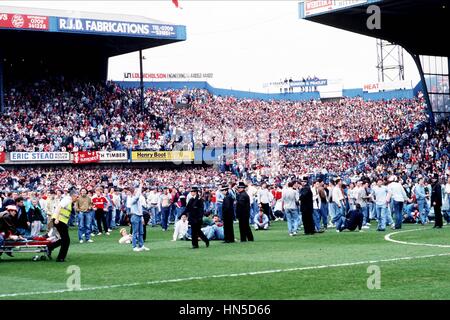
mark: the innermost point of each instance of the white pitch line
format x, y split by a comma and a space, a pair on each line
11, 295
388, 238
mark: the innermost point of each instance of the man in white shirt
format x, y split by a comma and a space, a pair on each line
264, 198
316, 205
397, 194
153, 204
181, 228
337, 199
380, 192
252, 193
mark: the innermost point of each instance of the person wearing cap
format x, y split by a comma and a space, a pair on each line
436, 200
61, 220
228, 215
243, 213
195, 210
397, 194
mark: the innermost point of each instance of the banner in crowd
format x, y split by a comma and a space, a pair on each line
138, 29
298, 83
81, 157
39, 156
2, 157
113, 156
162, 156
163, 76
23, 21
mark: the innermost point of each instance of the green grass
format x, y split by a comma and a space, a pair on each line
106, 263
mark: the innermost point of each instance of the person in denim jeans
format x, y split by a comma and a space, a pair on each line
153, 205
290, 198
338, 205
419, 191
137, 219
165, 200
380, 193
398, 194
83, 207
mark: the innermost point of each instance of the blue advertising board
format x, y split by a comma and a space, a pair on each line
121, 28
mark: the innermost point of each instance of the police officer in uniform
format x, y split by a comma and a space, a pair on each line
61, 220
306, 207
227, 215
243, 213
436, 200
194, 210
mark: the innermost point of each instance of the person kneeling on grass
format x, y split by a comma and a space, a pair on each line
126, 238
354, 219
261, 221
181, 228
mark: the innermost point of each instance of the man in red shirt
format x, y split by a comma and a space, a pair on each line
99, 203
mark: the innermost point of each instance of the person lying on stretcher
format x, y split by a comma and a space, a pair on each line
8, 226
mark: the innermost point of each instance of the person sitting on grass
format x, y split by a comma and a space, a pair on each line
125, 237
214, 231
181, 228
354, 219
261, 221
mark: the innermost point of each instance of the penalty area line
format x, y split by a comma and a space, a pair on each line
243, 274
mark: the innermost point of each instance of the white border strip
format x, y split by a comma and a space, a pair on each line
19, 294
388, 238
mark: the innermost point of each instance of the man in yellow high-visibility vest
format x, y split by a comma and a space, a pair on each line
61, 220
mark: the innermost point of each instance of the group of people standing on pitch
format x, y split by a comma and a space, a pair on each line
235, 203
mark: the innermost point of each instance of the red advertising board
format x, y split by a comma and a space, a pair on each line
23, 21
2, 157
86, 157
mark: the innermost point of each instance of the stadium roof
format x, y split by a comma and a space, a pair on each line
420, 26
108, 34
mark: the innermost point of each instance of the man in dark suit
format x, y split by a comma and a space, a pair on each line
227, 215
436, 200
243, 213
194, 210
306, 207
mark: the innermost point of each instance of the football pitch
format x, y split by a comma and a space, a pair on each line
348, 265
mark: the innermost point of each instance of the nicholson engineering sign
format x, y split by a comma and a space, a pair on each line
136, 29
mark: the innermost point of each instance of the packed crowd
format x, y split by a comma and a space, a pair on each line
71, 116
221, 120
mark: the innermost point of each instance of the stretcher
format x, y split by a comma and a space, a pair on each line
34, 245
